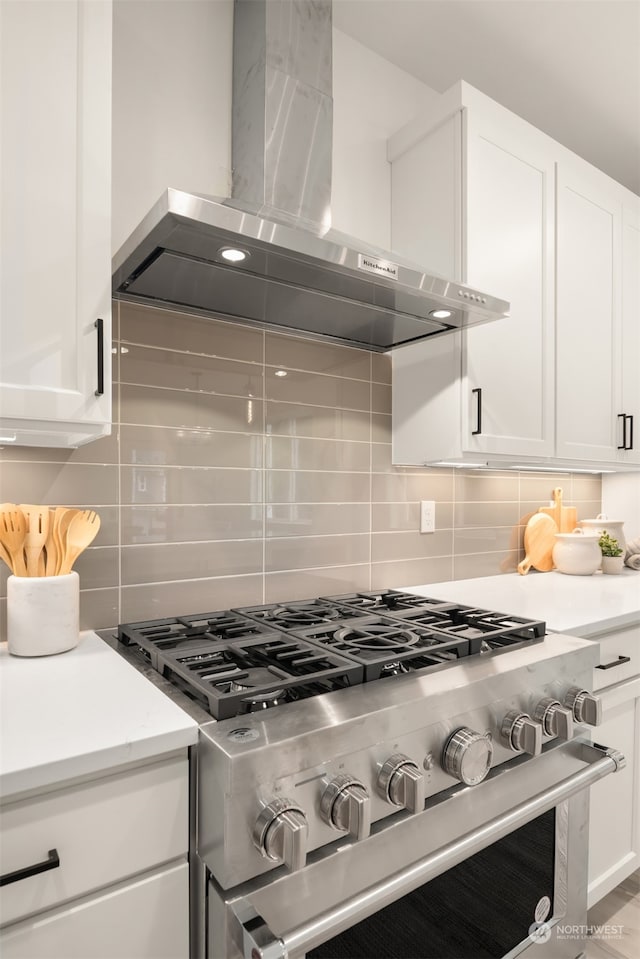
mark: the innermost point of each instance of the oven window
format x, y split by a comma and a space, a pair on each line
481, 908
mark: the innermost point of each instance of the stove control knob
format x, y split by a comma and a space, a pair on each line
585, 707
345, 805
401, 783
467, 756
554, 718
521, 733
280, 833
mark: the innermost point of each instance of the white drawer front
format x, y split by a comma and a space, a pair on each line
620, 654
146, 919
103, 831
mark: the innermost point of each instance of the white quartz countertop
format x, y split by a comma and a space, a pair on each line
78, 713
582, 605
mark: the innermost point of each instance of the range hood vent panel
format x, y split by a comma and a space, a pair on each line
292, 280
299, 274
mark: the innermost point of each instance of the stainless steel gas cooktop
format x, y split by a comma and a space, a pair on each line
240, 661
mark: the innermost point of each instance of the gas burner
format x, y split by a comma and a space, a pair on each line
253, 680
188, 634
386, 646
297, 615
386, 601
377, 636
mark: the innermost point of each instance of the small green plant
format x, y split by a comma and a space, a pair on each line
609, 546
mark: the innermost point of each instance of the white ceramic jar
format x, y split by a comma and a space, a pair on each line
601, 524
43, 614
577, 553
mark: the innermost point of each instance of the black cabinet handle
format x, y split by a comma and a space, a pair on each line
99, 324
51, 862
478, 428
623, 417
616, 662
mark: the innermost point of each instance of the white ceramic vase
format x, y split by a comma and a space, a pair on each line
576, 553
43, 614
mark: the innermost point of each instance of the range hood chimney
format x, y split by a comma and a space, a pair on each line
267, 256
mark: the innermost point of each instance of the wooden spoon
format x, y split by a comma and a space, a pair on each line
37, 518
4, 556
62, 522
13, 529
82, 530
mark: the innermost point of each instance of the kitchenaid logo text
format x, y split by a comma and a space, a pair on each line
384, 267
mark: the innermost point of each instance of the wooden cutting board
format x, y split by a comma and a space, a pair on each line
565, 517
539, 540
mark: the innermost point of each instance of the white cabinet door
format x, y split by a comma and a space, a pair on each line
614, 809
146, 919
628, 435
509, 244
55, 389
473, 198
588, 313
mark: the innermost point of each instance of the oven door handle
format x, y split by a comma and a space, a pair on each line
255, 940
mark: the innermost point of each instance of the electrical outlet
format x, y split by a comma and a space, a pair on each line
427, 516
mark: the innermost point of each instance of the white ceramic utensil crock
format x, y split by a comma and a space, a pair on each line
43, 614
601, 524
577, 553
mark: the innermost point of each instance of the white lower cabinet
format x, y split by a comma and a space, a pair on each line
614, 827
118, 884
145, 918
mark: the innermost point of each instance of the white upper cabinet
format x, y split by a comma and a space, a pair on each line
473, 199
628, 415
55, 272
482, 196
588, 311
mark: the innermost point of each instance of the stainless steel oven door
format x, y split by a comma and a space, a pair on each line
508, 856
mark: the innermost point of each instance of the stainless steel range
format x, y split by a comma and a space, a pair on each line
390, 775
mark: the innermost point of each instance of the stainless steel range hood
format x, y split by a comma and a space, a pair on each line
296, 274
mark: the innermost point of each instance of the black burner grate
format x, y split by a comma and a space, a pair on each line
244, 660
386, 646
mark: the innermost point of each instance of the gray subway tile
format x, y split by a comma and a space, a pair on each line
160, 445
158, 563
188, 524
484, 488
143, 366
381, 367
52, 484
478, 540
411, 572
292, 419
486, 514
295, 353
303, 552
381, 398
147, 485
158, 600
172, 330
411, 487
314, 519
470, 566
307, 583
289, 486
148, 406
317, 389
392, 547
284, 452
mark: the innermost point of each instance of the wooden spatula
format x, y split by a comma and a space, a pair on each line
37, 520
13, 529
82, 530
